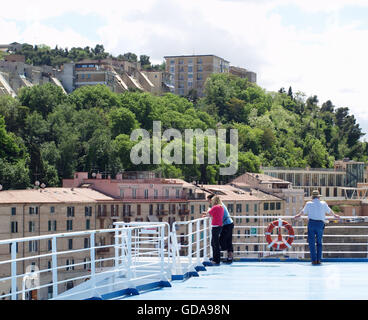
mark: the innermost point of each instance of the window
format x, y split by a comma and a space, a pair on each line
33, 210
172, 61
31, 226
190, 84
247, 207
255, 207
199, 76
278, 205
122, 193
155, 194
190, 69
272, 206
69, 264
177, 193
69, 225
70, 244
230, 207
166, 193
33, 246
13, 211
70, 212
87, 265
265, 206
134, 193
238, 207
52, 225
146, 193
88, 224
49, 245
88, 211
16, 247
86, 243
192, 209
114, 210
199, 69
14, 226
199, 60
151, 209
52, 209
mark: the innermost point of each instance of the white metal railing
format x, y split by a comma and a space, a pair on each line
142, 252
249, 239
191, 248
57, 266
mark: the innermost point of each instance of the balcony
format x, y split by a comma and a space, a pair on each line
183, 211
102, 250
162, 212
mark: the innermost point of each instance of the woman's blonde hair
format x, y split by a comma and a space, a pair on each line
216, 200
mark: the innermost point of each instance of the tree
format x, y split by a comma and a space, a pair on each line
144, 60
122, 120
41, 98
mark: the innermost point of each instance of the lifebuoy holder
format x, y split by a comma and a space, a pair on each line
280, 243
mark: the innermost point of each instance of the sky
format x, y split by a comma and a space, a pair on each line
318, 47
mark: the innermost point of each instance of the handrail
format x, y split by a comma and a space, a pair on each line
144, 251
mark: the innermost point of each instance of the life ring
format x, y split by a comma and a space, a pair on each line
280, 243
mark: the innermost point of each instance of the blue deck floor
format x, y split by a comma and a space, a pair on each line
270, 281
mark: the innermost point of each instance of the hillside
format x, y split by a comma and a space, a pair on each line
46, 135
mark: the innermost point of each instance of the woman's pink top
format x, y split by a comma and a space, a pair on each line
217, 214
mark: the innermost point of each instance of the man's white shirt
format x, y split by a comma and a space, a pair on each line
316, 209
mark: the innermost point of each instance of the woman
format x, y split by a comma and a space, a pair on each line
216, 213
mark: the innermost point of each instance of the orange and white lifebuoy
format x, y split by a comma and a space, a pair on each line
280, 243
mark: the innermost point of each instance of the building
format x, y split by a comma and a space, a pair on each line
189, 72
294, 198
161, 81
118, 75
30, 213
146, 197
15, 74
243, 73
331, 183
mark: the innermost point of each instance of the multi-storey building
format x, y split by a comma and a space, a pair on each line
118, 75
32, 213
189, 72
146, 197
243, 73
161, 81
294, 198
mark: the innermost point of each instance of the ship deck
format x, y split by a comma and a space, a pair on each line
269, 281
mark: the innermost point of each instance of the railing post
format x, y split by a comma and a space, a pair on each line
54, 268
93, 259
205, 238
116, 243
190, 243
162, 252
198, 242
14, 270
129, 254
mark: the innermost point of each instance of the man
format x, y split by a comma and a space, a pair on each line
316, 211
226, 235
